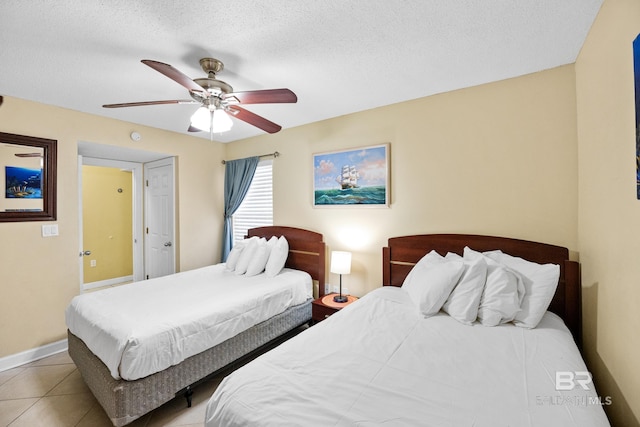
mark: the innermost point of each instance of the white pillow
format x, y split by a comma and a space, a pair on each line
234, 255
246, 255
277, 258
430, 282
502, 294
271, 243
464, 300
540, 282
259, 258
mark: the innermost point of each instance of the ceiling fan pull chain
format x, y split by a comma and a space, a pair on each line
211, 127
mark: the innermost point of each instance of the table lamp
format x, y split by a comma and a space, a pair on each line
340, 264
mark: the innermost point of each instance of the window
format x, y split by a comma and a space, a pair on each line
256, 209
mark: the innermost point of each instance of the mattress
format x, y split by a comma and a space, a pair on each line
379, 362
145, 327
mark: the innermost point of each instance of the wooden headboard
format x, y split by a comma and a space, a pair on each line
402, 253
307, 250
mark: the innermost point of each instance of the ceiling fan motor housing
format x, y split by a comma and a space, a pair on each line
213, 86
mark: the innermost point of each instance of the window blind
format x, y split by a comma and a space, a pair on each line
256, 209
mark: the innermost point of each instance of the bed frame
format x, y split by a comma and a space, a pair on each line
124, 401
402, 253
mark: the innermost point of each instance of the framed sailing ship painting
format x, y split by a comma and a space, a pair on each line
358, 176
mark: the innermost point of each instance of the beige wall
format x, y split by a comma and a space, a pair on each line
39, 276
497, 159
609, 213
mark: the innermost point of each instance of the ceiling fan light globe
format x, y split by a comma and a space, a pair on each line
221, 121
201, 119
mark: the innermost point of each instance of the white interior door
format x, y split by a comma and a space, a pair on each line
159, 218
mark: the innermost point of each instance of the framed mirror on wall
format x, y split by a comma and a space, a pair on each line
28, 176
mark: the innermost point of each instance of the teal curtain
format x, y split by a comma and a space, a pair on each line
237, 180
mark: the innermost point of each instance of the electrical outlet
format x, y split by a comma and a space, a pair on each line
335, 289
92, 263
327, 288
345, 290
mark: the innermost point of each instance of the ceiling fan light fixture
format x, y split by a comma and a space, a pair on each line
201, 119
221, 121
216, 121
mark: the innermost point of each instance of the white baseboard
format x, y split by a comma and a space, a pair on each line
28, 356
108, 282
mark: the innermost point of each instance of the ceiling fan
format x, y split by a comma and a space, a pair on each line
217, 99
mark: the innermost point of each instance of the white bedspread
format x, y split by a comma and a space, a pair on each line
145, 327
378, 362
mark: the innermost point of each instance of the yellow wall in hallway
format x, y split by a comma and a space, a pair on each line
107, 207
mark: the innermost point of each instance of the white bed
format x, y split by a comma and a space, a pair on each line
137, 346
361, 368
148, 326
379, 361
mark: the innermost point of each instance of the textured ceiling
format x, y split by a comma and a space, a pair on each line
338, 56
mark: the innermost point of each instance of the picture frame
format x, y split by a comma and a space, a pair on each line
352, 177
23, 183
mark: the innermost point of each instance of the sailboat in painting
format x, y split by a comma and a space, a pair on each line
348, 178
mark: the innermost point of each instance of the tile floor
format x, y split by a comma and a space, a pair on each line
51, 393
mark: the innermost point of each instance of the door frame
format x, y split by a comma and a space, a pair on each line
137, 209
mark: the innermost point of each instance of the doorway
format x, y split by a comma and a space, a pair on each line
111, 246
133, 162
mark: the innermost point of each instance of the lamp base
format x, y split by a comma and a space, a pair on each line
340, 298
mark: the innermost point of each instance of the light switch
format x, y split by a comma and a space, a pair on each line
49, 230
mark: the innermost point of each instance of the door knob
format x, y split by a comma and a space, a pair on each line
167, 243
85, 253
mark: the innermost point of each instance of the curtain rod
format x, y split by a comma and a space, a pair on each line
274, 155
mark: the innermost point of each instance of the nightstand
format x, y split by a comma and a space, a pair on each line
325, 306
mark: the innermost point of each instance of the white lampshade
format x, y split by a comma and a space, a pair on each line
221, 121
340, 262
203, 119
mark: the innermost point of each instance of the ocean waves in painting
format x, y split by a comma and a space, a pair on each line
351, 196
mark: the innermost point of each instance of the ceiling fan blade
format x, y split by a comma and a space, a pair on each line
267, 96
254, 119
193, 129
139, 104
174, 75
